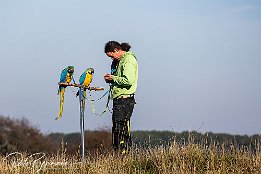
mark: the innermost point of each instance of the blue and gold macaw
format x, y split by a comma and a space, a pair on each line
86, 77
66, 77
85, 80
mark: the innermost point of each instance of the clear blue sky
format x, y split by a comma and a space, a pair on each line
199, 61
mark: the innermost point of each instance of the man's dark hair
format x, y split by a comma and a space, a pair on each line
112, 45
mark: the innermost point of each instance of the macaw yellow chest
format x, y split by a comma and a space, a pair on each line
87, 80
68, 78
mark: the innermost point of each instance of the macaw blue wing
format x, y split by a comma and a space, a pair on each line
63, 75
82, 78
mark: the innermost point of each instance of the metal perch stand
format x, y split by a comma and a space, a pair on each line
81, 98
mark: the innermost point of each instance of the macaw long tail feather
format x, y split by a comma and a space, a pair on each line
61, 103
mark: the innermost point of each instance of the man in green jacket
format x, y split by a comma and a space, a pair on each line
124, 78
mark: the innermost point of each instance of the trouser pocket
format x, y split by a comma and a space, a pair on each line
123, 109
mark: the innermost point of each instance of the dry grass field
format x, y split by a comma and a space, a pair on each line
174, 158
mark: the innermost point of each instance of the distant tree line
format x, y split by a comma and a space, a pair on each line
18, 135
157, 138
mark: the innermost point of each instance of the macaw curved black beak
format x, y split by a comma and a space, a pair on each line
91, 71
70, 71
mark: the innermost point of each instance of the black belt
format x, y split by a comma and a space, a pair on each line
125, 96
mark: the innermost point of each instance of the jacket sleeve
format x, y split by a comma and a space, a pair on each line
128, 75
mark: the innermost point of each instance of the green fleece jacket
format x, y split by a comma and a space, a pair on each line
126, 77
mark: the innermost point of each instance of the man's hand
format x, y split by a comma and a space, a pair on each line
108, 78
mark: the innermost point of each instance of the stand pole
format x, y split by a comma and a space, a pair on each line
81, 98
82, 103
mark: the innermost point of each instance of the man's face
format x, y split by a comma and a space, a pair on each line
113, 55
